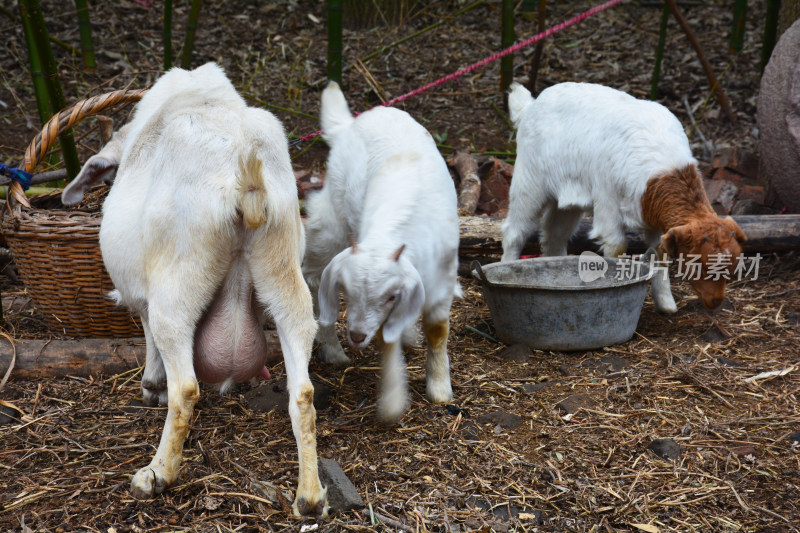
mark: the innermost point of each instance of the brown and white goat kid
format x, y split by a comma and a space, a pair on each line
201, 231
582, 148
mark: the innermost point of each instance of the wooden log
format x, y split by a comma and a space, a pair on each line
470, 193
37, 359
481, 236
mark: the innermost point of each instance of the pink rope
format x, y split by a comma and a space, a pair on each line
494, 57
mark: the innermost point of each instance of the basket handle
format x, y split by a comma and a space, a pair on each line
64, 120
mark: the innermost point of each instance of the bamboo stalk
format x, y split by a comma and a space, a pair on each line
737, 32
39, 83
82, 10
58, 42
335, 41
191, 30
662, 40
506, 40
167, 34
537, 54
716, 87
68, 149
770, 31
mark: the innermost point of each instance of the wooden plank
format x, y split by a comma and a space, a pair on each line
37, 359
481, 236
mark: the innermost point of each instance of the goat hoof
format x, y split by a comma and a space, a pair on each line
332, 355
667, 309
147, 483
439, 392
153, 398
390, 411
316, 505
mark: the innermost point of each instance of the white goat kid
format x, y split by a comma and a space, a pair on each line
582, 148
201, 225
388, 187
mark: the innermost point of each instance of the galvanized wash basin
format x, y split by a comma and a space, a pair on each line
544, 302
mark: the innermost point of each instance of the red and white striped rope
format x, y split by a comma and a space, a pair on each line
494, 57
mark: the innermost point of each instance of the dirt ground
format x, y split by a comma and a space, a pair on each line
503, 456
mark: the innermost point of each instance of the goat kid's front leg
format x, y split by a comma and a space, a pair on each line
393, 396
175, 340
437, 369
660, 288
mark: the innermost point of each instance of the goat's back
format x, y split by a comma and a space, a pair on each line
576, 129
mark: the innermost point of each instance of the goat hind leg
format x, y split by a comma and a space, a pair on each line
282, 290
154, 377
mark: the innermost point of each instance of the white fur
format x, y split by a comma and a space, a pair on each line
583, 148
387, 186
185, 218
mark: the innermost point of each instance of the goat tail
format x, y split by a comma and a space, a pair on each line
519, 98
334, 113
252, 193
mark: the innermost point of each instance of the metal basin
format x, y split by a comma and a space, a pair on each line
549, 303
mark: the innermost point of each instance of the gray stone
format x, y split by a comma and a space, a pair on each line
794, 439
748, 206
665, 448
533, 388
502, 419
342, 495
8, 415
724, 361
715, 334
518, 353
572, 404
778, 120
274, 395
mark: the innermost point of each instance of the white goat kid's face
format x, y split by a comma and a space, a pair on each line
372, 287
380, 292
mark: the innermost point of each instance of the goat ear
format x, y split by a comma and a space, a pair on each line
407, 309
98, 168
669, 244
328, 295
736, 231
396, 254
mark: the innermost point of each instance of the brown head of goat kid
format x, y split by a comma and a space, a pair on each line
676, 204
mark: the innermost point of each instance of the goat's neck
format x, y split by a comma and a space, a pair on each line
675, 199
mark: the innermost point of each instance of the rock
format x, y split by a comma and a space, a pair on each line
572, 404
715, 334
533, 388
665, 448
794, 439
469, 431
722, 195
749, 206
502, 419
778, 120
607, 363
724, 361
342, 495
274, 395
518, 353
745, 453
9, 415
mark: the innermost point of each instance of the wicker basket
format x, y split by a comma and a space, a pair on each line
57, 251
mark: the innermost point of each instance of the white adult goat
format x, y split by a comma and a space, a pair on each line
202, 216
585, 147
388, 188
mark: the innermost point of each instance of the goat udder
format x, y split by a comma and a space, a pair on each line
229, 342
